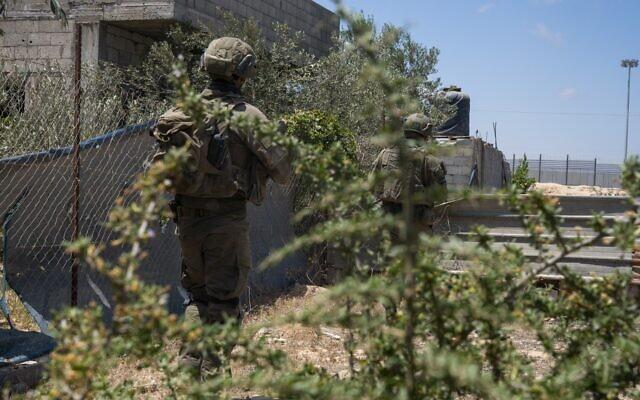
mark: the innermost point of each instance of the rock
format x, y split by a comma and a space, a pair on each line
262, 332
307, 291
330, 333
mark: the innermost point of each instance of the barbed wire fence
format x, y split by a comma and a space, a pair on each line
40, 120
571, 172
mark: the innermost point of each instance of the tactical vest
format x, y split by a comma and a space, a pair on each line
426, 173
220, 165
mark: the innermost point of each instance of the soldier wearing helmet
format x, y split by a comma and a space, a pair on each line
428, 174
231, 168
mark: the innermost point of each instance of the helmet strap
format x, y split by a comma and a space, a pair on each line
202, 66
247, 63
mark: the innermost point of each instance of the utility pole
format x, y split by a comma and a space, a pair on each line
628, 64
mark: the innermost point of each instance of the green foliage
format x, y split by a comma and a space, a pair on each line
36, 110
521, 179
438, 335
328, 155
291, 79
318, 128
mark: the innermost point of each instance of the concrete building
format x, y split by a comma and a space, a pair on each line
121, 31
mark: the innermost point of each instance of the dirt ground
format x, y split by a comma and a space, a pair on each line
322, 348
555, 189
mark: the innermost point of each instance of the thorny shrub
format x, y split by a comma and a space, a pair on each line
521, 179
449, 335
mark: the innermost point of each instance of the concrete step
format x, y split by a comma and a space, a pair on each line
569, 205
465, 223
580, 268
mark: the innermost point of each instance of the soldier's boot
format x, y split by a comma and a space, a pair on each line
221, 311
210, 368
192, 360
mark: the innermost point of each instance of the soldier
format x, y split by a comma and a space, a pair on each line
428, 175
228, 167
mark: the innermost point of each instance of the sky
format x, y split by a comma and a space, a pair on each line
547, 71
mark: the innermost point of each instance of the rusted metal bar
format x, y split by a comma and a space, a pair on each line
75, 201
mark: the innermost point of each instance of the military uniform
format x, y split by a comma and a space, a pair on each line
211, 199
428, 175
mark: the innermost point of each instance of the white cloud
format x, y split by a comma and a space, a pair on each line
546, 34
486, 7
568, 93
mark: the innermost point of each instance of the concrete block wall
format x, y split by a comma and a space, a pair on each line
461, 154
31, 34
317, 23
36, 43
121, 46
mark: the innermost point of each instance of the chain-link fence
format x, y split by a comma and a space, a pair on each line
38, 120
572, 172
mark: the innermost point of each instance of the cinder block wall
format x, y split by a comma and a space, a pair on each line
318, 24
36, 42
121, 46
461, 154
33, 36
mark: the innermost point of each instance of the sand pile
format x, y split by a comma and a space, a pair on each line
555, 189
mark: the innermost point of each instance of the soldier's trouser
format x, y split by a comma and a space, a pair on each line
215, 263
422, 221
422, 218
215, 269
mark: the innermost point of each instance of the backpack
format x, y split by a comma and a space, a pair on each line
425, 172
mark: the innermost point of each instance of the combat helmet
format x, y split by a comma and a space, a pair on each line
417, 123
227, 57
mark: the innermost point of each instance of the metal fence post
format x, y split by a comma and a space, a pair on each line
75, 202
540, 169
566, 172
595, 170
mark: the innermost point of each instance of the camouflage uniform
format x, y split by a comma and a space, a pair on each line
211, 207
428, 175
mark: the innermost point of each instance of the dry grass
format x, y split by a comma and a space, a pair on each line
322, 348
19, 316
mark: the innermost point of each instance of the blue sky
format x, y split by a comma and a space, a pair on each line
547, 71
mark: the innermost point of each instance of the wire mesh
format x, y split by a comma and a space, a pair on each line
572, 172
36, 138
